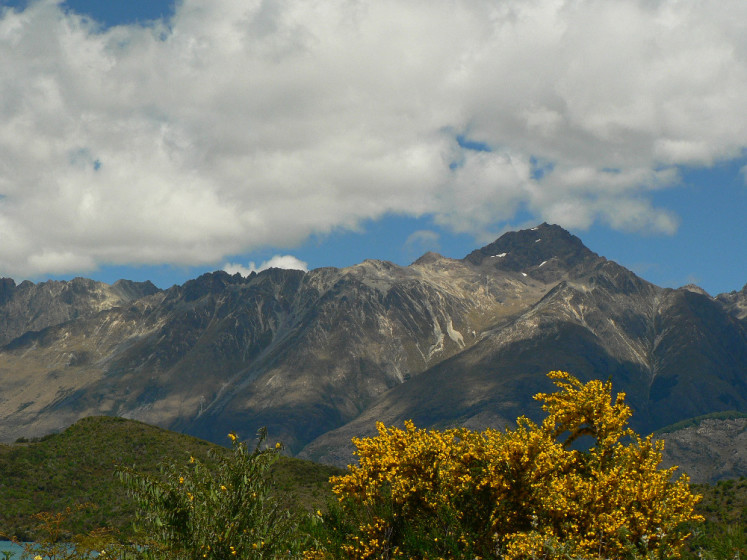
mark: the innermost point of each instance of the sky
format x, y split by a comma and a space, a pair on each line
158, 140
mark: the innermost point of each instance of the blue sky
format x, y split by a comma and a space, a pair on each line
159, 140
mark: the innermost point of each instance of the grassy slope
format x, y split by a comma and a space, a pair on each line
724, 533
78, 465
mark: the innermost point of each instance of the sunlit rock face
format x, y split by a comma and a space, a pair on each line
319, 356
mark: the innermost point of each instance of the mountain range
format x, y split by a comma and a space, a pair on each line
320, 356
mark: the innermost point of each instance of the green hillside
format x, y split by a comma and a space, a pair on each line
78, 466
724, 533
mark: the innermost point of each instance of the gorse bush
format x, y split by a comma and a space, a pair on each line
528, 492
194, 512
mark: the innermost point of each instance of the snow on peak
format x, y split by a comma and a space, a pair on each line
523, 273
499, 256
542, 263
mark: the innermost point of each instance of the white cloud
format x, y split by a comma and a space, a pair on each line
423, 237
245, 125
422, 241
278, 261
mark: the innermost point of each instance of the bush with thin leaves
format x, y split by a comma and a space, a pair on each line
194, 512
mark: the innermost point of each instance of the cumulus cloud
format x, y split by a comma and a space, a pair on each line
278, 261
239, 125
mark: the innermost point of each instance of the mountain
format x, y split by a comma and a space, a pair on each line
675, 353
319, 356
301, 353
735, 303
32, 307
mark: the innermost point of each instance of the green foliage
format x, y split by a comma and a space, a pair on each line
723, 536
61, 470
77, 465
193, 511
303, 483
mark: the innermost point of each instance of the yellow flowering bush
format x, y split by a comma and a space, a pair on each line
534, 491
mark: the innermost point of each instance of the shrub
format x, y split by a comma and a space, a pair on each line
194, 512
528, 492
54, 540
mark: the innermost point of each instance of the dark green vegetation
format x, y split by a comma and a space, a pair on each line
218, 511
724, 533
78, 466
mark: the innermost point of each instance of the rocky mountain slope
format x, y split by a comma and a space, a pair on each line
32, 307
735, 303
319, 356
709, 450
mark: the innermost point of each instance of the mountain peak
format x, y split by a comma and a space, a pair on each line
696, 289
428, 258
523, 250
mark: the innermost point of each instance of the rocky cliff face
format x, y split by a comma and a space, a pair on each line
735, 303
319, 356
711, 450
33, 307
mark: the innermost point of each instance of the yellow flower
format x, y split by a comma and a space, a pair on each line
222, 487
278, 445
181, 480
232, 436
